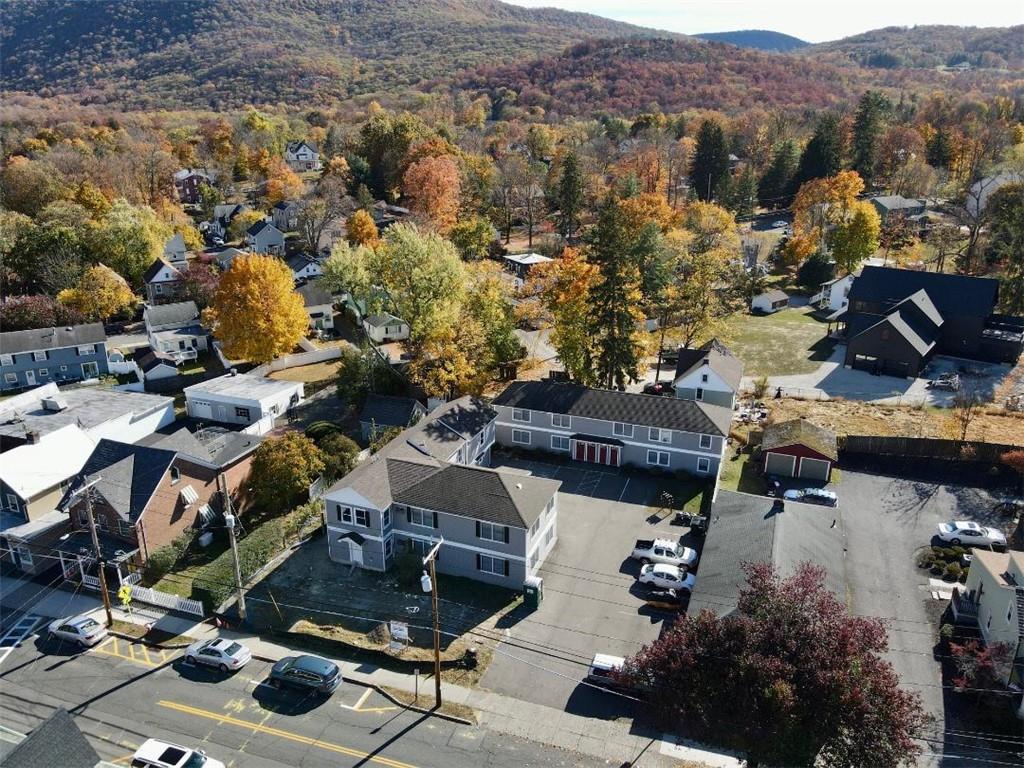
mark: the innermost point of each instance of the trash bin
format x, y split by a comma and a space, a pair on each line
533, 592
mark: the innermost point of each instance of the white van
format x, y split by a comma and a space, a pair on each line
602, 669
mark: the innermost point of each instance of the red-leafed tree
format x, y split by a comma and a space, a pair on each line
982, 669
789, 677
20, 313
199, 283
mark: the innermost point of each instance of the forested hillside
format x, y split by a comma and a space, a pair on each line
931, 46
761, 39
627, 76
225, 53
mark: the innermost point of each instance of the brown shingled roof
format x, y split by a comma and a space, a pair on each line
800, 432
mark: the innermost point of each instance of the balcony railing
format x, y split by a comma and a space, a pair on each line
965, 607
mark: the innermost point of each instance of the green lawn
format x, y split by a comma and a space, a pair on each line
787, 342
206, 361
739, 473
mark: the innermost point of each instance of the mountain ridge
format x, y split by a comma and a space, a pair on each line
759, 39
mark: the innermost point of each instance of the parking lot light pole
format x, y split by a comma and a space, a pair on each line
429, 583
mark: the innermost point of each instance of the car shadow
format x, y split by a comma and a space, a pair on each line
198, 673
287, 701
599, 703
630, 567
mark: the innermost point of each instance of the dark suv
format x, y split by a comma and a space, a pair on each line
306, 672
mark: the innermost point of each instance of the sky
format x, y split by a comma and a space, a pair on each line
813, 21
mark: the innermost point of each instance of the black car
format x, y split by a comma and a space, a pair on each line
662, 388
306, 672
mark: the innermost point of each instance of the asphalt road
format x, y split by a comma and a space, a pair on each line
122, 693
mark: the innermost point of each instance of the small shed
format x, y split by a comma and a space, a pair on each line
769, 302
799, 448
382, 412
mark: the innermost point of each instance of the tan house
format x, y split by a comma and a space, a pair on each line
994, 597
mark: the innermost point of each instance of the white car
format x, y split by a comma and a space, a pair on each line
603, 668
663, 551
966, 533
162, 754
780, 224
83, 630
667, 577
223, 654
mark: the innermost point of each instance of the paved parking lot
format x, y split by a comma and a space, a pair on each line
590, 601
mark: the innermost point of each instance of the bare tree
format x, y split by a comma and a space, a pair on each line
319, 212
965, 409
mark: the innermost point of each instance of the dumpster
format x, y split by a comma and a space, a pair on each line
533, 592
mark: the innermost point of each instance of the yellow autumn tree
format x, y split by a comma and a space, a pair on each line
432, 186
282, 182
256, 312
362, 230
99, 295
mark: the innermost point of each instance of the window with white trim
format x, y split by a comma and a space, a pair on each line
343, 514
241, 413
657, 458
704, 466
83, 518
6, 359
521, 436
44, 372
700, 393
362, 518
11, 378
520, 414
660, 435
704, 378
387, 548
622, 430
385, 519
705, 441
492, 532
421, 517
497, 566
559, 443
39, 356
12, 502
86, 349
560, 420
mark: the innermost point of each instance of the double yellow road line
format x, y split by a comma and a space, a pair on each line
225, 719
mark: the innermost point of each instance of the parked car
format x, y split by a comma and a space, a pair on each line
666, 600
780, 224
812, 496
662, 388
223, 654
663, 551
666, 576
306, 672
970, 534
162, 754
602, 670
83, 630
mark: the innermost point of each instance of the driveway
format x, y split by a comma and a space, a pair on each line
832, 380
588, 607
888, 520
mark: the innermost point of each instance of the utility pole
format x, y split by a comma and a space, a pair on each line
429, 584
229, 521
87, 490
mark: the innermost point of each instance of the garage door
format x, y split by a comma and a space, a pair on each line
865, 363
780, 464
814, 469
896, 368
201, 410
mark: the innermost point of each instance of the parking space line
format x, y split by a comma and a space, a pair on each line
358, 707
623, 491
283, 734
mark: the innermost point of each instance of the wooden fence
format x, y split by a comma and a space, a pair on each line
924, 448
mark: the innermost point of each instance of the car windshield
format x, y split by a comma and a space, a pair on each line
195, 761
87, 623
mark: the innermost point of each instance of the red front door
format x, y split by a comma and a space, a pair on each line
603, 455
580, 451
613, 456
591, 453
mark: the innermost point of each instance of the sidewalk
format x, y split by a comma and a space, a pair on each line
613, 741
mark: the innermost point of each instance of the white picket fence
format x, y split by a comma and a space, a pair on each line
166, 600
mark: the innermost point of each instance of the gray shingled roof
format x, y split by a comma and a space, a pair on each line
129, 476
802, 432
179, 313
609, 405
313, 295
212, 444
719, 358
42, 339
950, 294
258, 227
388, 411
56, 741
744, 529
154, 269
147, 359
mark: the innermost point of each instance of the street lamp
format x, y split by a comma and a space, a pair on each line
428, 581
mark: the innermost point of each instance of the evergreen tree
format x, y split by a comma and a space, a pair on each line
710, 161
570, 195
744, 196
823, 155
773, 191
867, 128
615, 299
939, 152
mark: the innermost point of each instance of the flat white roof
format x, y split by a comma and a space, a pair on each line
528, 258
35, 467
244, 386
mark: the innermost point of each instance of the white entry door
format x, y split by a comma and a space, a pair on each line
30, 377
355, 553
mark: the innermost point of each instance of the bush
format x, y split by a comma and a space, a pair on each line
760, 387
953, 572
215, 581
925, 560
318, 430
938, 569
163, 560
409, 569
340, 454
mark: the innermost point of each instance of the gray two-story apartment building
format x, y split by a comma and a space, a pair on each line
600, 426
431, 484
41, 355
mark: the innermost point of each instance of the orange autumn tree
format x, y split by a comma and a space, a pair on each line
362, 230
432, 187
820, 204
256, 311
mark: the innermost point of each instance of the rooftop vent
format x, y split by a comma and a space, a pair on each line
55, 403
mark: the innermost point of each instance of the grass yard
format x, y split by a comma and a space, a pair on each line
787, 342
206, 361
739, 473
308, 373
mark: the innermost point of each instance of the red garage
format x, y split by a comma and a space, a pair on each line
799, 448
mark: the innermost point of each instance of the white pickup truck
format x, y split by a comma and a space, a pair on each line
663, 551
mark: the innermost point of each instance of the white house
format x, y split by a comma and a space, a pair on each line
225, 257
708, 374
176, 330
319, 306
833, 294
520, 265
264, 237
769, 302
383, 327
302, 156
304, 267
163, 282
239, 398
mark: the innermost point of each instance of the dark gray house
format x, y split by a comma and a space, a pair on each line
888, 205
431, 483
42, 355
600, 426
898, 319
383, 412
